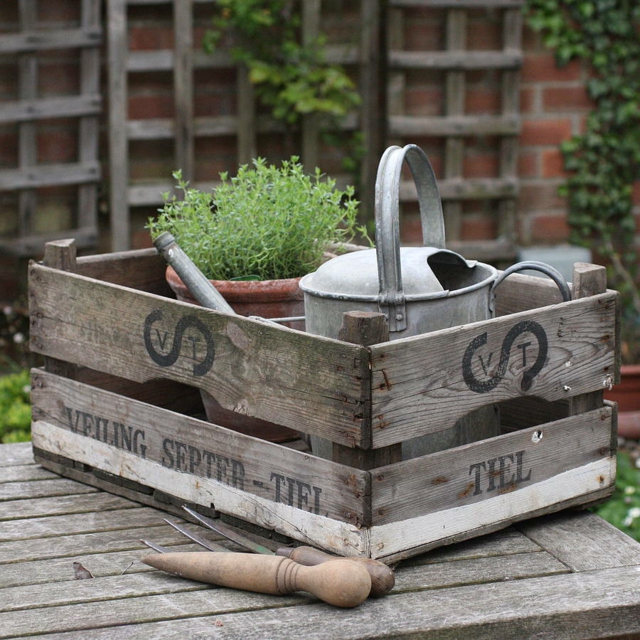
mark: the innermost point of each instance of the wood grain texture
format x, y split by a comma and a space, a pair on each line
420, 384
573, 538
501, 466
194, 449
530, 582
310, 384
396, 539
311, 528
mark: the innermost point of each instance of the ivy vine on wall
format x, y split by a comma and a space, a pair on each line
292, 77
604, 161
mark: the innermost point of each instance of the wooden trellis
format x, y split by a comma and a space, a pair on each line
26, 47
455, 61
184, 129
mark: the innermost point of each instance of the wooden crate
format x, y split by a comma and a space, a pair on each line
115, 406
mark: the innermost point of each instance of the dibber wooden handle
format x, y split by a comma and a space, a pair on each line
341, 583
382, 576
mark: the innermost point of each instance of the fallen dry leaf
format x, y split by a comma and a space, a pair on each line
81, 572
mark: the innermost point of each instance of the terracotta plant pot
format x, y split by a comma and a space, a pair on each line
627, 395
267, 299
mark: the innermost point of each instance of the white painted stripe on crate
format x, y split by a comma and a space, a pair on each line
333, 535
399, 536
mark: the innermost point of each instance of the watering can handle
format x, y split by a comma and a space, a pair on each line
387, 214
554, 274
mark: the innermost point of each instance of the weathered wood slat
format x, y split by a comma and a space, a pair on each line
398, 540
438, 576
60, 570
455, 92
317, 530
49, 175
28, 41
107, 588
545, 606
419, 383
142, 269
458, 125
510, 98
466, 189
86, 617
118, 108
247, 142
459, 60
465, 4
310, 121
163, 60
503, 543
578, 546
33, 245
475, 472
27, 144
42, 489
89, 125
520, 292
17, 454
38, 109
24, 473
327, 404
570, 576
111, 540
183, 81
69, 524
155, 2
478, 571
200, 449
61, 504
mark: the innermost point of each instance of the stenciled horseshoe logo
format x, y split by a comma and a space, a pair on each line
170, 358
526, 326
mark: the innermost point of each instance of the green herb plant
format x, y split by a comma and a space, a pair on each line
266, 223
15, 407
623, 508
604, 161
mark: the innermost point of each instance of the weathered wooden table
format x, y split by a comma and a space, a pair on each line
567, 576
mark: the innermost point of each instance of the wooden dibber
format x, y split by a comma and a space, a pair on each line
342, 583
382, 576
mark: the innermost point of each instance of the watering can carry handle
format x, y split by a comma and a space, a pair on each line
387, 214
532, 265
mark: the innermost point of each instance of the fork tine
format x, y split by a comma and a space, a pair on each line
207, 544
155, 547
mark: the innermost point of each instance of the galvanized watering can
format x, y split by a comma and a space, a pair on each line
419, 289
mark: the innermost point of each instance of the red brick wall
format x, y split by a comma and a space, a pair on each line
553, 104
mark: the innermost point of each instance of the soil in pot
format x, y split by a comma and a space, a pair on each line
267, 299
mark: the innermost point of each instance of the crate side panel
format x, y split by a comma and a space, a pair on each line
570, 488
523, 293
142, 269
476, 472
315, 385
426, 383
198, 450
307, 527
